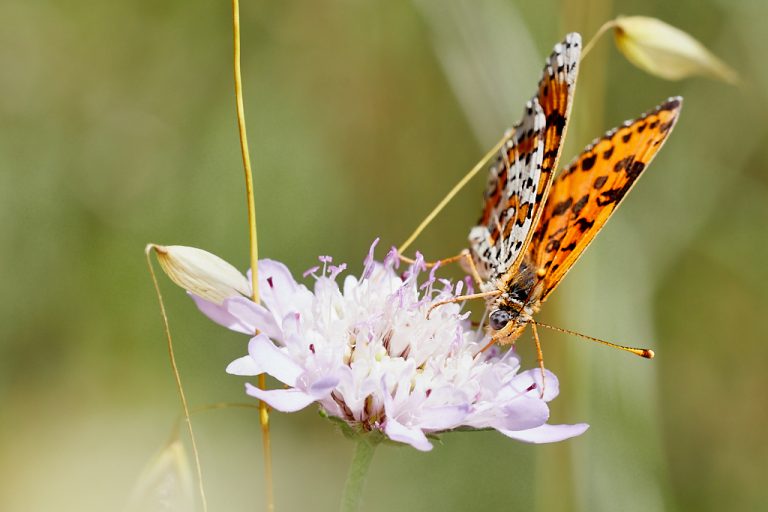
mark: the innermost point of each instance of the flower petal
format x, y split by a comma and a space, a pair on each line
522, 413
277, 287
284, 400
323, 387
412, 436
253, 316
547, 433
527, 379
245, 365
443, 418
219, 314
275, 361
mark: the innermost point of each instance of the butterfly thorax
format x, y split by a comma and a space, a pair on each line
514, 308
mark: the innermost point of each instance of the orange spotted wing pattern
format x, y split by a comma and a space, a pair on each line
523, 173
587, 192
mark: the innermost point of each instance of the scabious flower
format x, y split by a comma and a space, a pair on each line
366, 353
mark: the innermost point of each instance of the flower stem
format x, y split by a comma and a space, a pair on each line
353, 488
602, 30
244, 151
263, 412
177, 378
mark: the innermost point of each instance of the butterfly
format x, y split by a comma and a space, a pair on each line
535, 226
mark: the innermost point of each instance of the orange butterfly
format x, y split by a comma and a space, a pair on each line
533, 227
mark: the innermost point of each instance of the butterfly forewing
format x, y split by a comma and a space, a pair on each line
555, 96
517, 185
585, 194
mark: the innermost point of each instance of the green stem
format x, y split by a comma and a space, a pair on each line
353, 488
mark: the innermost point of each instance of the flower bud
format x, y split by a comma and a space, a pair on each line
201, 273
165, 483
666, 51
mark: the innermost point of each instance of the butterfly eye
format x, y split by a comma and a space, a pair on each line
499, 319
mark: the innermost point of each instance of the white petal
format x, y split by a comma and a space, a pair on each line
323, 387
276, 287
403, 434
219, 314
547, 433
443, 418
526, 379
253, 316
284, 400
274, 360
521, 414
245, 365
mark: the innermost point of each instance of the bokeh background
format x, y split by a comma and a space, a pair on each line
118, 129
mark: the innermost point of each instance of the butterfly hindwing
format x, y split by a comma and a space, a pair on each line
555, 95
587, 192
510, 196
516, 187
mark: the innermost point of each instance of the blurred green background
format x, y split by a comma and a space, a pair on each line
118, 129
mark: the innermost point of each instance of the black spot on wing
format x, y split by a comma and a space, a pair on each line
552, 245
623, 163
588, 162
599, 182
584, 224
578, 205
562, 207
665, 127
634, 170
557, 120
611, 196
670, 104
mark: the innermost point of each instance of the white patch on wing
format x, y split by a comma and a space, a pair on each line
494, 255
494, 258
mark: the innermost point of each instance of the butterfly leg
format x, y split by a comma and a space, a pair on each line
471, 267
504, 336
465, 259
539, 359
462, 298
430, 264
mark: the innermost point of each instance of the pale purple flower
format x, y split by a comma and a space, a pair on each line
365, 352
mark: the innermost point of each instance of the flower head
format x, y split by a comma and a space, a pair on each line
365, 351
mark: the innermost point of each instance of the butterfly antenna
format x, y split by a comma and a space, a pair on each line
642, 352
455, 190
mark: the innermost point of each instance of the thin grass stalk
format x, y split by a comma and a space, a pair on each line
250, 201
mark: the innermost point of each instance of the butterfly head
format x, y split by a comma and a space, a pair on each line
508, 322
514, 308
